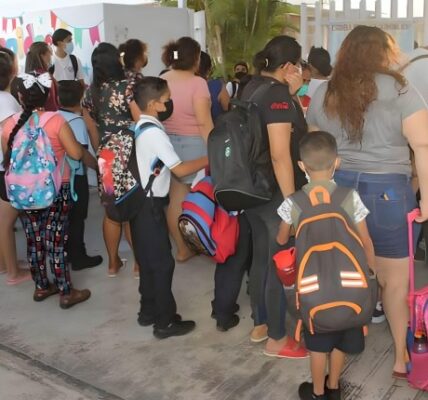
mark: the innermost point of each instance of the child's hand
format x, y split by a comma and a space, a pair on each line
283, 234
280, 240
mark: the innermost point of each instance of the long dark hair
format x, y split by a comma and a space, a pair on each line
278, 51
7, 67
106, 64
31, 98
106, 67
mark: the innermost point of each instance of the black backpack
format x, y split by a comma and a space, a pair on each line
119, 183
239, 159
73, 63
334, 288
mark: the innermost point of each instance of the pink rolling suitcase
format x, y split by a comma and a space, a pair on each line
418, 324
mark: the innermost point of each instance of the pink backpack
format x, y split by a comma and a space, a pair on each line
33, 178
418, 325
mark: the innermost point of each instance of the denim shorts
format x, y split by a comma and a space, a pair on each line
188, 148
389, 198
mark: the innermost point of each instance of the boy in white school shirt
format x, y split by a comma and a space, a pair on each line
66, 66
149, 228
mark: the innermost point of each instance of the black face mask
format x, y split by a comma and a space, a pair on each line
239, 75
164, 115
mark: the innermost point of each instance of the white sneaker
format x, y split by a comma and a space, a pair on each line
378, 315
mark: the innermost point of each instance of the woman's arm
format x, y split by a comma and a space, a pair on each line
94, 135
224, 98
415, 129
279, 144
202, 110
71, 146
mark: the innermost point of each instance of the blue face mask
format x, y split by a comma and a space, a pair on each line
303, 90
69, 47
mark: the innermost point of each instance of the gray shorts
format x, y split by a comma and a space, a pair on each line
188, 148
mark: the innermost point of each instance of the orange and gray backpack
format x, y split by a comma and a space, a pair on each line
333, 289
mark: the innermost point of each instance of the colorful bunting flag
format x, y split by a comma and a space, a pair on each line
78, 37
94, 34
53, 20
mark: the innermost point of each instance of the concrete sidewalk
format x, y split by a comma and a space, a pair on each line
98, 351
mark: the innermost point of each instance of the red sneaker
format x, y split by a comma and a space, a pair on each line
291, 349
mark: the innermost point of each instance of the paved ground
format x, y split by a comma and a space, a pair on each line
97, 351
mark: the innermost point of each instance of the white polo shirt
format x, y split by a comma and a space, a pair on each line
64, 69
153, 144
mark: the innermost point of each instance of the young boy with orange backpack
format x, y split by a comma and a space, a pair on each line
335, 296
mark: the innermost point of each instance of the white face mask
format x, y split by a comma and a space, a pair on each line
308, 178
69, 47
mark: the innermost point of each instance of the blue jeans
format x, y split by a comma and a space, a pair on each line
389, 198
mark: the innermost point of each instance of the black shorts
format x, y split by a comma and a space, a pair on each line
3, 192
350, 341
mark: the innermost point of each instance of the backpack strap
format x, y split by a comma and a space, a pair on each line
75, 64
301, 200
261, 90
412, 61
158, 165
340, 194
234, 89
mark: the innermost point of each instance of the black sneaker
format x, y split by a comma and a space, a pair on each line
86, 262
306, 392
177, 328
232, 322
148, 320
332, 394
378, 314
235, 309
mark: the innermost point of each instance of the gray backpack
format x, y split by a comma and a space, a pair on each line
334, 290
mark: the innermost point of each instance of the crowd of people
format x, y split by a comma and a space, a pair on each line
370, 133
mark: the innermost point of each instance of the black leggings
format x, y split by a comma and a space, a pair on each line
268, 301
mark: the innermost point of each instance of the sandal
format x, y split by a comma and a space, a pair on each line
399, 375
42, 294
291, 349
19, 279
113, 273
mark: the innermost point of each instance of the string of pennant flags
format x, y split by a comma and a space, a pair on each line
56, 22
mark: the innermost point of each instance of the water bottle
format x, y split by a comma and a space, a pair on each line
420, 344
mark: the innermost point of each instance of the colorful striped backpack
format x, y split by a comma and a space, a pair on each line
205, 226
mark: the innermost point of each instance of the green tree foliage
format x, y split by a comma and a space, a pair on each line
237, 29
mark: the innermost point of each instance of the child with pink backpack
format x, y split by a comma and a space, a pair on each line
35, 144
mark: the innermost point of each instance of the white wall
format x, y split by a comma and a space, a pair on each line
154, 25
18, 33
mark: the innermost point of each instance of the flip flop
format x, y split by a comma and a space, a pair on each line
399, 375
17, 281
114, 274
291, 349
